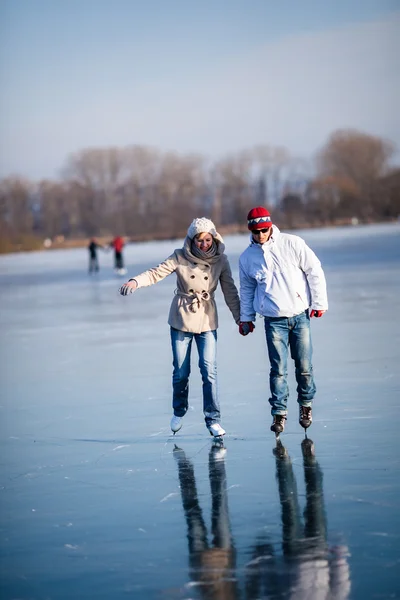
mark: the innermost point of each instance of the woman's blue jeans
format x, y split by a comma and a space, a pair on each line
206, 342
283, 333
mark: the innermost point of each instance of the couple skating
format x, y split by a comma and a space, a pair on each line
280, 278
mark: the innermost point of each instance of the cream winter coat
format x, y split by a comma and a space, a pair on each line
193, 307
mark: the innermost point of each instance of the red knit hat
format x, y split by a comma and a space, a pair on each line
258, 218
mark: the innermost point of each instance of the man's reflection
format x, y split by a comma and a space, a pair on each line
212, 566
309, 569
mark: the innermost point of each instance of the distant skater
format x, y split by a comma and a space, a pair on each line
118, 245
199, 266
282, 279
93, 258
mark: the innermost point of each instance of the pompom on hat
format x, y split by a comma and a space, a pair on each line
258, 218
201, 225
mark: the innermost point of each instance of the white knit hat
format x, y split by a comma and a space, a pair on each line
201, 225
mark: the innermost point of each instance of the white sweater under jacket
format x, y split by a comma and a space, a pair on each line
281, 278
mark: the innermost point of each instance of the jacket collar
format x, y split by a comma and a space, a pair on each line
275, 234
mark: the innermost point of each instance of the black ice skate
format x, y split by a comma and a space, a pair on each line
305, 416
278, 424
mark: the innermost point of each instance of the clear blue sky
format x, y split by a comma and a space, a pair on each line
211, 76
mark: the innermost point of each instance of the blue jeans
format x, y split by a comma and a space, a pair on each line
283, 333
206, 342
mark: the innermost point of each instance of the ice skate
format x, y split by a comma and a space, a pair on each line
217, 432
278, 425
176, 424
305, 416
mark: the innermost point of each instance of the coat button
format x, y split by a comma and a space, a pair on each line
205, 277
192, 277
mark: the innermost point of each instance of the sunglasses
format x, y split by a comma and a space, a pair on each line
258, 231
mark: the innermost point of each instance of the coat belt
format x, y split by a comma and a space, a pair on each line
195, 299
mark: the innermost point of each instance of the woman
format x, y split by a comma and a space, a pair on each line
199, 266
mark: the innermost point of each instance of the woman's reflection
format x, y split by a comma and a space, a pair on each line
212, 566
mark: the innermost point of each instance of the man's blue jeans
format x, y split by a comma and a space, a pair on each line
283, 333
206, 342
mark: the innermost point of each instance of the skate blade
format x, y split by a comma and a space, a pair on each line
218, 439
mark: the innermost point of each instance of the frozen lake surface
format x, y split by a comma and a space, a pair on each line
99, 501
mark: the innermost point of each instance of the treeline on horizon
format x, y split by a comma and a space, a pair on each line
144, 193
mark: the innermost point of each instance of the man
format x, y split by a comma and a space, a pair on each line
282, 279
93, 260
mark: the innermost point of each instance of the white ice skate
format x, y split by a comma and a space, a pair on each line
176, 424
217, 434
216, 430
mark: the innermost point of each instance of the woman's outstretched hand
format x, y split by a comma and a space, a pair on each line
128, 288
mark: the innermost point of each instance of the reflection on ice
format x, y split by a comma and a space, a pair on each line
312, 569
306, 568
212, 566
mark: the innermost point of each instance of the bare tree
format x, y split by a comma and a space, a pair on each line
389, 193
233, 187
55, 209
96, 176
292, 209
270, 164
180, 185
331, 198
359, 160
16, 196
139, 192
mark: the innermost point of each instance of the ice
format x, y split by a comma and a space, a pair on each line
99, 500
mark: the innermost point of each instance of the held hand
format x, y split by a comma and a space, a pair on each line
246, 327
128, 288
317, 313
